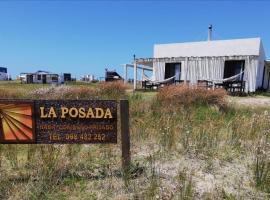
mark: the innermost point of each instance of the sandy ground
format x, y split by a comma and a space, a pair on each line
256, 101
211, 177
234, 177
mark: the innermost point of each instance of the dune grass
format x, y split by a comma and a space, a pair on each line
177, 147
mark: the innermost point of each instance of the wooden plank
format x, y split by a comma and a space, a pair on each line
59, 121
125, 136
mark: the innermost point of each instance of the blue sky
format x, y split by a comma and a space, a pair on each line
85, 37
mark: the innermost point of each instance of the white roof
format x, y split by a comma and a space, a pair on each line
236, 47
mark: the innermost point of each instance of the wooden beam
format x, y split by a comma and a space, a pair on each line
135, 76
125, 81
125, 136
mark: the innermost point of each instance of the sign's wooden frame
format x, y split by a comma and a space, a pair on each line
124, 120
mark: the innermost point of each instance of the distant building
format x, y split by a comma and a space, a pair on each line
3, 74
112, 76
39, 77
88, 78
65, 77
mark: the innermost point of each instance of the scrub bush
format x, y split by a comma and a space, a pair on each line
9, 94
113, 90
64, 92
183, 95
107, 90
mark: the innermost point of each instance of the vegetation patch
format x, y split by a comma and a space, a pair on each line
186, 143
183, 95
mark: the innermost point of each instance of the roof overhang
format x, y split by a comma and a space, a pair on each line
148, 61
50, 74
145, 66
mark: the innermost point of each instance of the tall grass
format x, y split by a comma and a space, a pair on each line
9, 94
64, 92
179, 121
262, 164
45, 167
106, 90
183, 95
113, 90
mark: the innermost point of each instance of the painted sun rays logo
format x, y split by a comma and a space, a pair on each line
16, 122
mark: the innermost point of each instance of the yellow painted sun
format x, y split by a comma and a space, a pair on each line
16, 122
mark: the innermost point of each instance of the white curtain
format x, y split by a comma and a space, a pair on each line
177, 72
251, 65
205, 69
159, 70
211, 68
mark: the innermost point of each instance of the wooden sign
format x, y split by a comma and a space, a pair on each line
58, 121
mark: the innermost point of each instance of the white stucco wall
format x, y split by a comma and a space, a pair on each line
3, 76
228, 49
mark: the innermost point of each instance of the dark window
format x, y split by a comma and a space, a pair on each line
3, 69
39, 77
44, 79
112, 76
173, 69
234, 67
54, 78
29, 78
67, 77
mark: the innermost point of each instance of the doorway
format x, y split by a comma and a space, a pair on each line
44, 79
173, 69
29, 78
234, 67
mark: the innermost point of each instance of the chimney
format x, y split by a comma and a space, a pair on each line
210, 32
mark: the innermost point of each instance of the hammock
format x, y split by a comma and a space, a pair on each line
157, 82
211, 80
225, 79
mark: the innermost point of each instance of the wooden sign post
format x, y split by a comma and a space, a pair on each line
58, 121
125, 137
64, 122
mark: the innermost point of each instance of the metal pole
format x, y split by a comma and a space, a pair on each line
210, 28
125, 74
135, 75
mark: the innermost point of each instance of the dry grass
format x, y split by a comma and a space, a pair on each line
106, 90
178, 140
114, 90
185, 95
64, 92
9, 94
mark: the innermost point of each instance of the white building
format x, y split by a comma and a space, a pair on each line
3, 74
39, 77
88, 78
216, 61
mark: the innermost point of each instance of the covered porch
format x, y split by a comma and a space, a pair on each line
137, 66
229, 72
